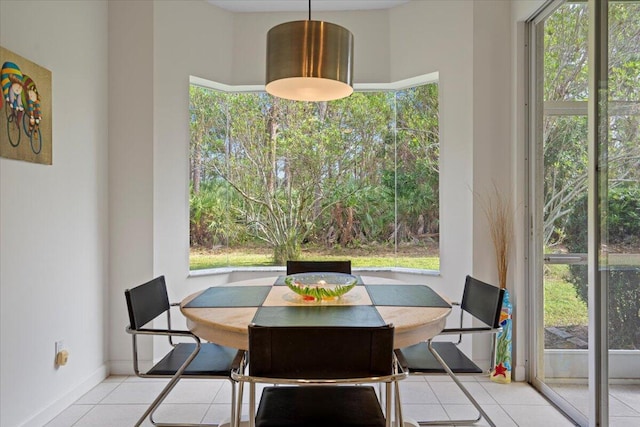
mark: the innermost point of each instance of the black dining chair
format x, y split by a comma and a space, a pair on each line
484, 303
195, 359
317, 375
294, 267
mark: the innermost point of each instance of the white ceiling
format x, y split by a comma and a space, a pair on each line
303, 5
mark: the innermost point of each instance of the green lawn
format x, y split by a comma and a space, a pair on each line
563, 307
199, 261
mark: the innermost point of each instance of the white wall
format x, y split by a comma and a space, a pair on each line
53, 219
131, 154
521, 10
492, 144
204, 48
491, 123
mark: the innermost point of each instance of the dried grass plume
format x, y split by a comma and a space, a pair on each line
499, 212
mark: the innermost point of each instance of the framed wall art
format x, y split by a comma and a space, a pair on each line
25, 110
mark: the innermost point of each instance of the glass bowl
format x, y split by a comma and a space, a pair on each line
320, 286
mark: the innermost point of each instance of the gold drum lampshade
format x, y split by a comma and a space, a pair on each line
309, 61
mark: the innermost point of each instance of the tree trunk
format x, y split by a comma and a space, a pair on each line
273, 127
287, 251
196, 168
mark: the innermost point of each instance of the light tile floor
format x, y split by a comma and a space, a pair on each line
119, 401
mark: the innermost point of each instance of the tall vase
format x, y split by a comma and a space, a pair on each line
502, 368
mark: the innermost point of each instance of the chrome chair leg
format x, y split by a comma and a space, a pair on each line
474, 402
234, 397
156, 404
252, 404
238, 408
387, 404
166, 390
158, 400
399, 416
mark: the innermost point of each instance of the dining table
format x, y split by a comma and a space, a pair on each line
221, 314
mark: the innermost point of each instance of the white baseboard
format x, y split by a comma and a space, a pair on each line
125, 367
520, 373
121, 367
53, 410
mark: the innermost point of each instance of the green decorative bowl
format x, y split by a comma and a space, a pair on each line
320, 286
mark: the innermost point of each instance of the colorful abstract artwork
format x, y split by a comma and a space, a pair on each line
502, 370
25, 110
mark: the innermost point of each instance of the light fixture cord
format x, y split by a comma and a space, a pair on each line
309, 10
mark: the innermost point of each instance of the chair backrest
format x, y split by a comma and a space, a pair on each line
320, 352
483, 301
294, 267
146, 302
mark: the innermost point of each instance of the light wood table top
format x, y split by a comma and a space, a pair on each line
227, 325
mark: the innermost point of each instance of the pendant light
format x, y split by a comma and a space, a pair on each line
309, 61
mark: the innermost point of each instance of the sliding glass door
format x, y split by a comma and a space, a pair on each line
618, 179
585, 209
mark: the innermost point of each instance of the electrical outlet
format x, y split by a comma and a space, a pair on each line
62, 355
